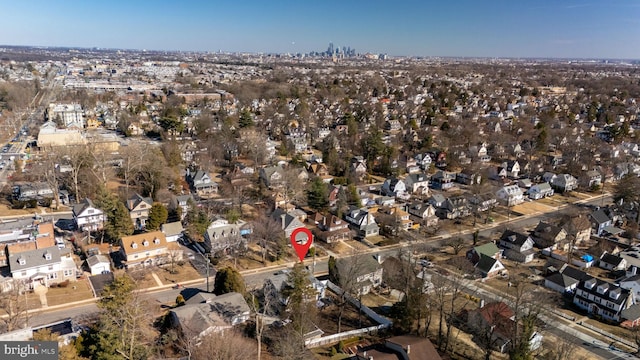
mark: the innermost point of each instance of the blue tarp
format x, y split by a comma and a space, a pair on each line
587, 258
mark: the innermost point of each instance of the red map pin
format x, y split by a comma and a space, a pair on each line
299, 243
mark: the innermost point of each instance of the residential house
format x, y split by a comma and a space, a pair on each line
548, 235
172, 231
486, 259
564, 183
512, 168
332, 229
145, 249
201, 183
579, 228
612, 262
87, 217
498, 320
437, 200
367, 272
41, 266
524, 183
417, 184
363, 221
482, 202
518, 246
206, 313
425, 212
412, 167
632, 283
590, 179
272, 176
98, 264
139, 208
601, 298
405, 347
181, 202
222, 235
539, 191
468, 177
497, 172
454, 207
510, 195
394, 218
599, 221
358, 165
565, 280
287, 220
274, 285
423, 160
32, 190
443, 180
394, 187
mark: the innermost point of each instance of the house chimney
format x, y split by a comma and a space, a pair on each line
282, 220
481, 303
378, 258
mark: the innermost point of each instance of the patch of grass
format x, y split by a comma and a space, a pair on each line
182, 273
75, 291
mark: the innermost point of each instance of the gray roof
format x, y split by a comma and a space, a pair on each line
173, 228
600, 217
365, 265
563, 280
631, 313
136, 199
215, 311
97, 259
82, 206
34, 258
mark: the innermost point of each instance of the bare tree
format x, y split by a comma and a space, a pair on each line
456, 244
133, 158
293, 187
77, 158
47, 170
562, 350
13, 307
102, 165
228, 345
346, 274
267, 232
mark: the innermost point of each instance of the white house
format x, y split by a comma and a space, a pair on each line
88, 217
539, 191
510, 195
98, 264
44, 266
394, 187
417, 183
632, 284
602, 298
172, 231
363, 221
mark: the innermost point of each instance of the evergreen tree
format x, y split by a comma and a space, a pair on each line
123, 326
317, 197
118, 222
157, 216
334, 276
301, 305
228, 280
245, 119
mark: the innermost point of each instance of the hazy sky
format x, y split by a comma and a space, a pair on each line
502, 28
